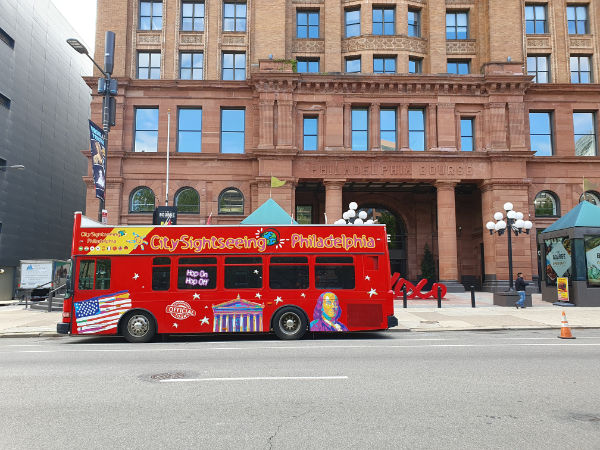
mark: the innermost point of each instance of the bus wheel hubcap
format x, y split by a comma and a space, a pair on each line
138, 325
290, 323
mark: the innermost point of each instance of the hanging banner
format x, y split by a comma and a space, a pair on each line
592, 258
558, 259
98, 150
562, 286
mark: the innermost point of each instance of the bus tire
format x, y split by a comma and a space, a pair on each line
290, 323
138, 327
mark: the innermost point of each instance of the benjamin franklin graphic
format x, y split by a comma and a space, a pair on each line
326, 314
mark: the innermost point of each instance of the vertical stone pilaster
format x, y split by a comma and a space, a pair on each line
403, 127
333, 199
446, 123
497, 125
347, 126
431, 128
374, 131
516, 121
334, 135
447, 243
284, 123
265, 130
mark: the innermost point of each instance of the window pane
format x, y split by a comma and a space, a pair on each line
359, 140
86, 274
310, 143
197, 277
190, 142
541, 145
232, 120
243, 277
146, 141
387, 119
187, 201
334, 277
415, 119
353, 65
142, 200
583, 123
232, 142
310, 126
161, 278
103, 274
288, 277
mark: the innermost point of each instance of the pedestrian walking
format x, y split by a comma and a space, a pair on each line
520, 284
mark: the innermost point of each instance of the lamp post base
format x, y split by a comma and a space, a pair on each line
509, 298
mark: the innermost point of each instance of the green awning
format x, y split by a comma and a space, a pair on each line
583, 215
269, 213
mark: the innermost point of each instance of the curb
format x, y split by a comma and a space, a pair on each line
30, 334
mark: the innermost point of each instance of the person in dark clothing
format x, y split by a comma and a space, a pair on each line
520, 284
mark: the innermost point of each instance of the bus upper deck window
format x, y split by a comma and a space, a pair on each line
334, 272
197, 273
161, 273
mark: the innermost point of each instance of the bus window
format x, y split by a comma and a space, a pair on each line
243, 272
161, 273
334, 272
103, 274
288, 272
197, 273
86, 274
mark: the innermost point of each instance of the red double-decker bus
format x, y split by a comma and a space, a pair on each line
137, 281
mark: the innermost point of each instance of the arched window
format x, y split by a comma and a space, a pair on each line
141, 200
546, 205
231, 201
591, 196
187, 201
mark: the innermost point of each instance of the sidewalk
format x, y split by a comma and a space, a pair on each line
421, 315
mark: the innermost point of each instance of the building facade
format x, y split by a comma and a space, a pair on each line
44, 109
429, 114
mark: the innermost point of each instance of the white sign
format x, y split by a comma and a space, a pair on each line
35, 274
559, 259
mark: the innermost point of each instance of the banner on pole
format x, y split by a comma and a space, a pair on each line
98, 150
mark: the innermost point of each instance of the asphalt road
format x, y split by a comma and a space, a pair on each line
512, 389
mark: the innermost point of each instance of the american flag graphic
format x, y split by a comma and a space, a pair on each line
101, 313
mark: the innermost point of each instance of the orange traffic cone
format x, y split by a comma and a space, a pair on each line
565, 331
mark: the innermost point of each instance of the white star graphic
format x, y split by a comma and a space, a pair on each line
175, 325
258, 295
196, 296
372, 292
367, 277
204, 321
256, 271
303, 295
278, 300
135, 276
206, 307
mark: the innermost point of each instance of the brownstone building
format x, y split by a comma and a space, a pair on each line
430, 114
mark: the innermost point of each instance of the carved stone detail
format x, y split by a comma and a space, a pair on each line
234, 40
308, 46
460, 2
461, 47
302, 2
380, 43
146, 38
538, 42
580, 42
195, 38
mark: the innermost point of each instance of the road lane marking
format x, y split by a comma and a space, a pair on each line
180, 380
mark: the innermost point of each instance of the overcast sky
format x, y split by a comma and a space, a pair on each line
81, 14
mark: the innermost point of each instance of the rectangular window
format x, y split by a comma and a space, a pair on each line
307, 24
383, 21
98, 270
581, 71
306, 65
288, 272
387, 128
243, 272
457, 25
192, 16
197, 273
352, 17
540, 133
458, 67
539, 67
232, 130
535, 19
234, 66
161, 273
466, 134
151, 15
191, 65
5, 37
146, 130
584, 128
384, 64
415, 65
333, 272
353, 64
414, 23
189, 139
360, 129
304, 214
5, 101
148, 66
234, 16
416, 129
577, 19
310, 130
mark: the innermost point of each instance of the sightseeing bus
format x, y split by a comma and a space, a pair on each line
139, 281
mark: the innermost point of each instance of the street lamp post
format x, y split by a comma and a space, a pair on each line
516, 224
107, 86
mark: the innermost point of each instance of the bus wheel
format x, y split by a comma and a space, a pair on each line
290, 323
139, 327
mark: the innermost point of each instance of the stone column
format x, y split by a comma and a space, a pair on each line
265, 128
284, 123
347, 126
447, 244
403, 127
374, 128
333, 199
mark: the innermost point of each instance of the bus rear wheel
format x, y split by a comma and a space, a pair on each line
139, 326
290, 323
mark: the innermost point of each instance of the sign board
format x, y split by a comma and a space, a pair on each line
592, 258
165, 215
35, 274
562, 286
